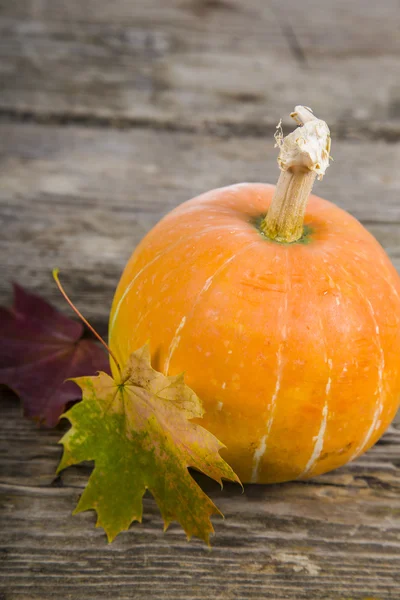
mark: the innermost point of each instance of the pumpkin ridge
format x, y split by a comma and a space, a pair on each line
176, 338
379, 390
160, 255
262, 446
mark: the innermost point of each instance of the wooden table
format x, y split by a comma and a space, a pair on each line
112, 113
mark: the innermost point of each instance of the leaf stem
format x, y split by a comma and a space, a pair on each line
88, 325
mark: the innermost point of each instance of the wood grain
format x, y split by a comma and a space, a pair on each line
216, 65
333, 538
111, 114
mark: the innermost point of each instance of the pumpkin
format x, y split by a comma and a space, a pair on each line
281, 309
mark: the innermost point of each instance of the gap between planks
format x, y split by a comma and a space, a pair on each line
359, 131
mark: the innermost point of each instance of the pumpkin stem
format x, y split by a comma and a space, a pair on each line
303, 156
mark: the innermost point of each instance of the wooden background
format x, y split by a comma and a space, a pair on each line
112, 113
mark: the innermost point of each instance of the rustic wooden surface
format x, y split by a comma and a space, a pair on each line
112, 113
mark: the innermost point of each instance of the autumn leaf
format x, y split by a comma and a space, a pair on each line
39, 349
138, 431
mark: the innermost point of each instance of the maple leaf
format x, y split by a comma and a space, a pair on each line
39, 349
138, 431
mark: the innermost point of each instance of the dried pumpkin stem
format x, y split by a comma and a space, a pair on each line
303, 156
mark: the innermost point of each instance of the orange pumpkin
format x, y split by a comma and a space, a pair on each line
293, 347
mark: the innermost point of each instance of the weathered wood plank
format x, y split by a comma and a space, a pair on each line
81, 199
195, 64
333, 538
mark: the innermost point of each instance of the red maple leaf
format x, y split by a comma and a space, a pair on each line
39, 349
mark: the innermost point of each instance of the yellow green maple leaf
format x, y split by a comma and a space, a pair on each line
139, 433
